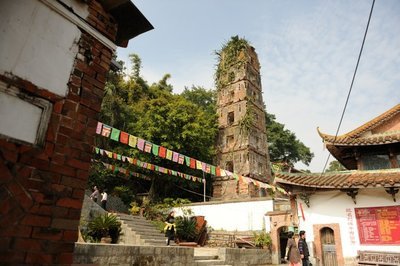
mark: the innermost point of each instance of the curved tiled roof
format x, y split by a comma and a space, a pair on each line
355, 137
344, 179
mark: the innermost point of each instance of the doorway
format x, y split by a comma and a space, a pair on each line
282, 232
329, 256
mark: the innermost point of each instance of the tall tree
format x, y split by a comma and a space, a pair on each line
284, 145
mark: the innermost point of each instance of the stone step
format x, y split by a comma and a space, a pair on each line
144, 230
209, 262
205, 257
129, 216
140, 223
150, 233
135, 221
154, 242
159, 237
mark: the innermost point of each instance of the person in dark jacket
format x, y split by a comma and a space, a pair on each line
169, 228
303, 249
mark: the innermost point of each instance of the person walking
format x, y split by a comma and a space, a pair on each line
303, 248
95, 194
169, 228
104, 197
293, 254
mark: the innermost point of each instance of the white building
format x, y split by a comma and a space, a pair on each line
353, 216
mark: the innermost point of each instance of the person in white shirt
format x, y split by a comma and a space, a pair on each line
104, 199
95, 194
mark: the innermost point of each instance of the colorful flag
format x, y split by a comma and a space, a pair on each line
169, 155
208, 168
187, 160
140, 144
212, 169
198, 165
162, 152
175, 157
181, 159
147, 147
218, 171
115, 134
193, 163
132, 141
99, 127
105, 132
203, 166
155, 149
124, 137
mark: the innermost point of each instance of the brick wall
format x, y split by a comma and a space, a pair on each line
42, 188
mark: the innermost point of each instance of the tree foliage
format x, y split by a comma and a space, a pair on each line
335, 166
185, 122
284, 145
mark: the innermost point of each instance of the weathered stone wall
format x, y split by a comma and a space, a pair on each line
42, 187
245, 257
106, 254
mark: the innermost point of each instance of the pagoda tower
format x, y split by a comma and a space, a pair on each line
242, 141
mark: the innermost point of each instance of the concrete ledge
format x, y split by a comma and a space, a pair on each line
114, 254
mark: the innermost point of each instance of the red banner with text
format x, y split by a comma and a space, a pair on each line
379, 225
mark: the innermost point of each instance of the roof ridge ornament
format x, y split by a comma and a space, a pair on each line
352, 192
392, 191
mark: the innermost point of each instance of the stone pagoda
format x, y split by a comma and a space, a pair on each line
242, 142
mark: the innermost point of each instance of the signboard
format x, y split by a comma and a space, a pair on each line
378, 225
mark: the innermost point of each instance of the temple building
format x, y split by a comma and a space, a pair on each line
350, 216
242, 142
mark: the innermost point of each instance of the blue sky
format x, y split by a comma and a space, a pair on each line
307, 49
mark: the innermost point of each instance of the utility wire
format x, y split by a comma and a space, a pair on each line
352, 82
191, 191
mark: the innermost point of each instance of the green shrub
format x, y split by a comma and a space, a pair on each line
186, 228
159, 211
103, 226
262, 239
135, 209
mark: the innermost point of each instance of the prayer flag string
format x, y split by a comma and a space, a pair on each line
145, 165
160, 151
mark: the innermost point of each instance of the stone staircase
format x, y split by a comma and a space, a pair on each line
136, 230
208, 257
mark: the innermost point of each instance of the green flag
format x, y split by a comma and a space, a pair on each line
115, 134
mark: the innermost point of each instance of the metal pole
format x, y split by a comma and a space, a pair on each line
204, 188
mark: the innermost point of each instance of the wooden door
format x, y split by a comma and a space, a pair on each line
328, 247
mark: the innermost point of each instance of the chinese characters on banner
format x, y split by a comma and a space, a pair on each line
379, 225
350, 225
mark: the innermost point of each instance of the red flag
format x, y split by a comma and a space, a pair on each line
302, 212
162, 152
193, 163
124, 137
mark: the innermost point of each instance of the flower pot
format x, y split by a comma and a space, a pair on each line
106, 240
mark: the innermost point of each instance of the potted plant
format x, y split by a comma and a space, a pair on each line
186, 228
105, 228
262, 240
